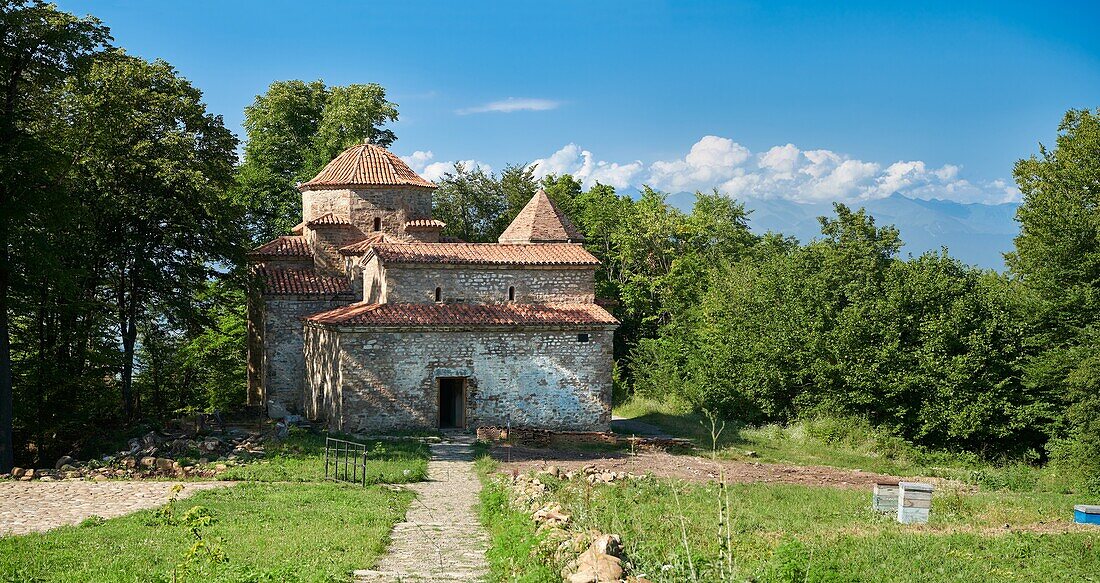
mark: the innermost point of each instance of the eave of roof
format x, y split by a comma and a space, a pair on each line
550, 254
574, 315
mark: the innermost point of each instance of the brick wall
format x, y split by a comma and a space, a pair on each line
540, 379
475, 284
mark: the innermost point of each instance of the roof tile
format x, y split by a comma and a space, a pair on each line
328, 220
485, 253
512, 314
424, 224
365, 165
364, 245
541, 221
302, 282
284, 246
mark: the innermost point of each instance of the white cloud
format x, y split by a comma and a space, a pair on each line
785, 172
421, 163
571, 159
510, 105
712, 160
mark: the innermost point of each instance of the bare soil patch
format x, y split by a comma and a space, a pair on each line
683, 467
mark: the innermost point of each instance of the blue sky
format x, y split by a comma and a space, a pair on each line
807, 101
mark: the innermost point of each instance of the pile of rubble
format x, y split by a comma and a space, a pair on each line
159, 455
589, 556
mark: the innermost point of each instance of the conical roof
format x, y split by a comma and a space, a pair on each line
365, 165
541, 221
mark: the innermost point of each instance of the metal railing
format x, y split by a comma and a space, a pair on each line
345, 461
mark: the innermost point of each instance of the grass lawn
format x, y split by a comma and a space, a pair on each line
670, 531
268, 532
301, 458
842, 444
284, 523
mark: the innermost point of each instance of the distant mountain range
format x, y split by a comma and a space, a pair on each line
976, 233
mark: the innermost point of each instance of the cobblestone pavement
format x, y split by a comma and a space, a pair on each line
38, 506
441, 538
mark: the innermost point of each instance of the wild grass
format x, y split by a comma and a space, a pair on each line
844, 443
513, 553
672, 531
301, 458
267, 532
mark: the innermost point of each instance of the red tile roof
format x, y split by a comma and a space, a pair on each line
513, 314
285, 246
485, 253
328, 220
541, 221
424, 224
361, 247
365, 165
302, 282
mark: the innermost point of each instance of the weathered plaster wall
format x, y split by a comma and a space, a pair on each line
488, 285
543, 379
284, 362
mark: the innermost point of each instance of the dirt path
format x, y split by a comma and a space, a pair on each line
441, 538
37, 506
683, 467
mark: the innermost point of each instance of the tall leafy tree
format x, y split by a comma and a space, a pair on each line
472, 203
40, 47
156, 166
1057, 256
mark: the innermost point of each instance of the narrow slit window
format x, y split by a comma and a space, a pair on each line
439, 294
377, 223
511, 293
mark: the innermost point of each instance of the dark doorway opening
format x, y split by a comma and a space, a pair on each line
452, 402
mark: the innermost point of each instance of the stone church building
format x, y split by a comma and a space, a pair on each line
367, 319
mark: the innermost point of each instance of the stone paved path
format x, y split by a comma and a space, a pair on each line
37, 506
441, 538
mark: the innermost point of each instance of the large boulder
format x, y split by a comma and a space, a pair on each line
62, 461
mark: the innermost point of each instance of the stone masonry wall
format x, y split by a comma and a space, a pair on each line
487, 285
284, 362
541, 379
325, 243
394, 205
322, 358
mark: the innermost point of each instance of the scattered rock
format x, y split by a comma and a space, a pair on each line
17, 473
63, 461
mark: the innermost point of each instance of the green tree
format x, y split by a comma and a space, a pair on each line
472, 203
293, 130
155, 166
1057, 256
40, 47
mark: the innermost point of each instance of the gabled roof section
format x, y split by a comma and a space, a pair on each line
541, 221
429, 315
364, 245
328, 220
284, 246
302, 282
365, 165
484, 254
